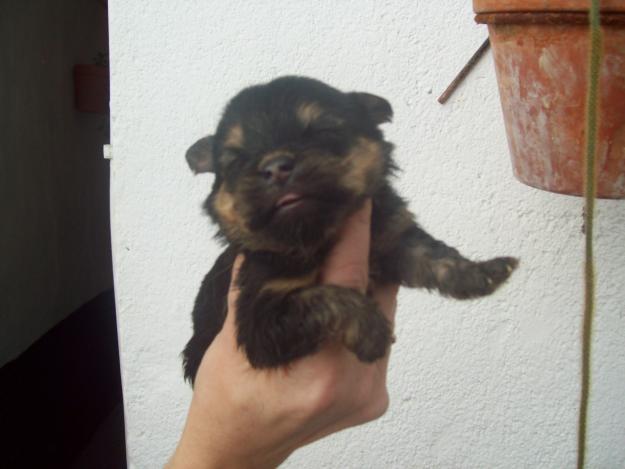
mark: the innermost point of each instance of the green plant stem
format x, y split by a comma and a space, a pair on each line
590, 191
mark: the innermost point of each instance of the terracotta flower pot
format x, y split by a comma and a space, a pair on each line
541, 50
91, 88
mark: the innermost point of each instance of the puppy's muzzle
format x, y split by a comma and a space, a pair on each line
278, 170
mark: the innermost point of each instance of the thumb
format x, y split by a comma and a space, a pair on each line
348, 262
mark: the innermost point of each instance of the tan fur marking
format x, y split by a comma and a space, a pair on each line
235, 227
352, 334
224, 205
364, 161
234, 137
441, 268
234, 224
285, 285
308, 112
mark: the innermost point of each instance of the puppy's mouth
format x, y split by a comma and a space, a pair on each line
289, 202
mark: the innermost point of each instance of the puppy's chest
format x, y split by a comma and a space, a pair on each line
272, 274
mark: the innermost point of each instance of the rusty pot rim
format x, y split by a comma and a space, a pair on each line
512, 6
548, 18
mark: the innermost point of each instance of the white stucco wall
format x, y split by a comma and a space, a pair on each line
489, 383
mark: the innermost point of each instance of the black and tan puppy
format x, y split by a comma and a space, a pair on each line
292, 159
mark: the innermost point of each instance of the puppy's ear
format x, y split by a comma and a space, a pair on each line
379, 109
200, 156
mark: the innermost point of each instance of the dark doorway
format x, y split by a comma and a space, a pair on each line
60, 387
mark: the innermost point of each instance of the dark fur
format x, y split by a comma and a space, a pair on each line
299, 136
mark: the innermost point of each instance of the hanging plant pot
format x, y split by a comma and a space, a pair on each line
91, 88
541, 51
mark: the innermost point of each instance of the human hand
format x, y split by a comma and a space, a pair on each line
241, 417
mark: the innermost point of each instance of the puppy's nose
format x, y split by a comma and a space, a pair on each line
278, 170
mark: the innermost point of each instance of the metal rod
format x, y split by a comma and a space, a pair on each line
464, 72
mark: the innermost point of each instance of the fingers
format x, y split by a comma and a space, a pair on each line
348, 262
233, 293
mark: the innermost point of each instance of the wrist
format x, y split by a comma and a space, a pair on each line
198, 449
190, 457
205, 444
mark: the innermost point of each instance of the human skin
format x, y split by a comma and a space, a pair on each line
241, 417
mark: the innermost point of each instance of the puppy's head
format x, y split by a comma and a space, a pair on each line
292, 158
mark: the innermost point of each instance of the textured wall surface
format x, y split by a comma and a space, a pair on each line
55, 251
488, 383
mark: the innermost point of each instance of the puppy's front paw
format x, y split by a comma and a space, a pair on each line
498, 270
475, 279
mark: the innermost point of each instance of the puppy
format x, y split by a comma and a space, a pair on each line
292, 159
